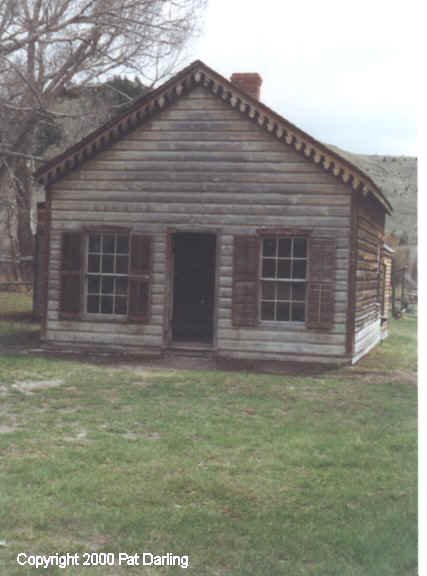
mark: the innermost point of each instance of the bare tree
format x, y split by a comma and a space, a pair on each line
46, 45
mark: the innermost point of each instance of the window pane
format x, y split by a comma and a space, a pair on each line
282, 311
107, 285
93, 285
284, 261
299, 268
94, 243
268, 291
122, 245
108, 255
108, 243
268, 268
121, 264
269, 247
300, 248
93, 304
284, 269
283, 291
285, 247
298, 291
107, 304
298, 312
121, 305
121, 285
267, 311
93, 263
107, 264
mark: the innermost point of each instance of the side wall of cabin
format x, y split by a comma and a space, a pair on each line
370, 222
202, 166
386, 290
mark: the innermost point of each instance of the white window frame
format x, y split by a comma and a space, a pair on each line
275, 280
103, 315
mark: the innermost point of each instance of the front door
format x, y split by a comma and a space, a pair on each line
193, 287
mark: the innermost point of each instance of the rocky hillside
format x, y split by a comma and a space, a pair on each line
396, 176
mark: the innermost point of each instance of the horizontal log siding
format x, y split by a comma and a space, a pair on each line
200, 165
370, 236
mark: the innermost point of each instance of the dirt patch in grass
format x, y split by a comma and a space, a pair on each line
5, 429
79, 435
8, 422
407, 377
30, 386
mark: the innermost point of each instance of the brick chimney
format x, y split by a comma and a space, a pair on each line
249, 82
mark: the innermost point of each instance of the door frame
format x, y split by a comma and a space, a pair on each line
170, 269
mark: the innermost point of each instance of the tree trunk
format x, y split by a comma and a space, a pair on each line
24, 233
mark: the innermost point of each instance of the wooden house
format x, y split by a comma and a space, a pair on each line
201, 219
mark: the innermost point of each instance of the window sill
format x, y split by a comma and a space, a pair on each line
282, 323
103, 319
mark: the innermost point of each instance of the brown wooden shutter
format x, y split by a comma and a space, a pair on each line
321, 285
71, 274
245, 303
140, 278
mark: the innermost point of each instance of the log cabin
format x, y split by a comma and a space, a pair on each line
201, 220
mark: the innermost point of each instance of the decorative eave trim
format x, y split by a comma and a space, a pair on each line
198, 74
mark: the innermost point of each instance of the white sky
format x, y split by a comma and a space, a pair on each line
341, 71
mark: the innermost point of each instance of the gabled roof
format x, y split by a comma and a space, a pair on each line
199, 74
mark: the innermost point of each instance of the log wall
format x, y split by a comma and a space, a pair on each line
370, 221
200, 165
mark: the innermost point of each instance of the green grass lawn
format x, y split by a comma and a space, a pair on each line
248, 474
16, 326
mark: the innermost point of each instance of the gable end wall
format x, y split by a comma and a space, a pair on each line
200, 165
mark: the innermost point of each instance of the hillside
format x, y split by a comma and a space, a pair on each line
396, 176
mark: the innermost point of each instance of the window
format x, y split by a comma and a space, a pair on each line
107, 276
284, 279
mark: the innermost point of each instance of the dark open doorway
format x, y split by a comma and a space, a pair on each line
193, 287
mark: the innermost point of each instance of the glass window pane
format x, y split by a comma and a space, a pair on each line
93, 263
121, 264
299, 268
267, 310
107, 264
121, 285
298, 312
285, 247
268, 292
300, 248
298, 291
283, 291
107, 294
269, 247
268, 268
121, 305
108, 243
93, 304
107, 304
93, 285
122, 245
94, 243
282, 311
284, 269
107, 285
